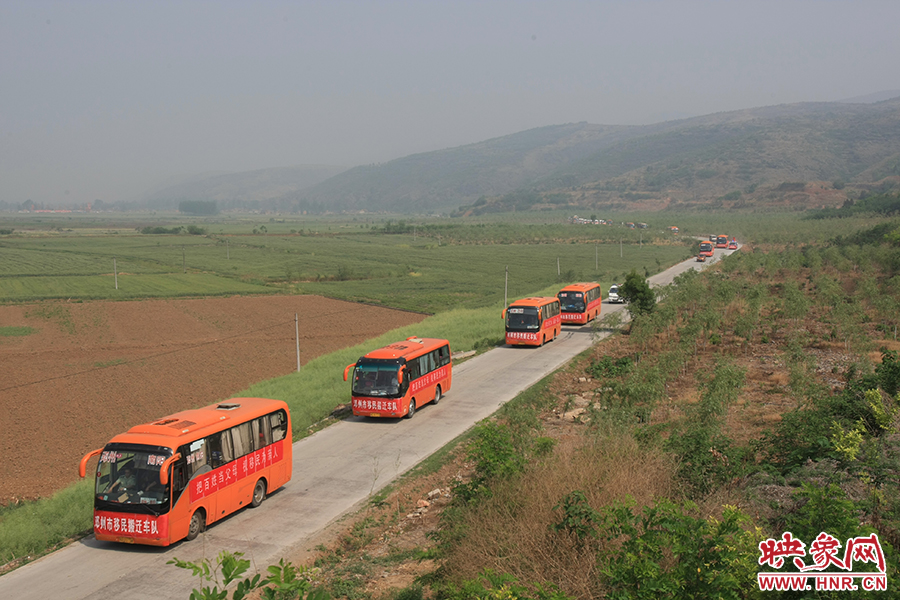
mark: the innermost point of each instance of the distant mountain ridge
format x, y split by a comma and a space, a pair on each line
238, 190
875, 97
825, 151
440, 180
740, 153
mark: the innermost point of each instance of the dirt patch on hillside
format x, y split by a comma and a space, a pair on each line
91, 370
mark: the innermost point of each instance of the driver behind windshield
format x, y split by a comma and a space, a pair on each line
125, 481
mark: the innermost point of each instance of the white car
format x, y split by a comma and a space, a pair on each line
613, 295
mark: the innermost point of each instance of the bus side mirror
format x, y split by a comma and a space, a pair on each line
164, 468
503, 314
347, 370
400, 374
82, 466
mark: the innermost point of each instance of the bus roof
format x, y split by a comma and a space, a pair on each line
537, 301
580, 287
409, 348
181, 427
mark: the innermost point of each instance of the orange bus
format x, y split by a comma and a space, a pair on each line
532, 321
706, 249
721, 241
580, 302
396, 380
167, 480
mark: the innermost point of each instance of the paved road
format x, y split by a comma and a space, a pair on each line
335, 470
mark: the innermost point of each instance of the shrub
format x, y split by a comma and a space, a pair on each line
819, 506
611, 367
496, 457
888, 372
800, 436
637, 293
707, 457
284, 582
667, 553
578, 518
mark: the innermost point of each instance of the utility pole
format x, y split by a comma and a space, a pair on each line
297, 337
506, 289
115, 272
183, 263
557, 266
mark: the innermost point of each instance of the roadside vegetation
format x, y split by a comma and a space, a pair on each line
758, 397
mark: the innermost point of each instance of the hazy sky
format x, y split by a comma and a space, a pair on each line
109, 99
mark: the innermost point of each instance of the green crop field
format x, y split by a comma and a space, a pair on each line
430, 266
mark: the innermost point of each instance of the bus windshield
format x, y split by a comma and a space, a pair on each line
571, 301
706, 247
130, 475
376, 377
522, 318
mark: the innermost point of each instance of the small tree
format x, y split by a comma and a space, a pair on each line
637, 293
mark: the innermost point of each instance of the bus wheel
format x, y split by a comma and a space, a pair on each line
198, 524
259, 493
437, 394
412, 409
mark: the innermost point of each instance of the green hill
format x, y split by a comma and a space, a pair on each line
807, 155
439, 181
802, 156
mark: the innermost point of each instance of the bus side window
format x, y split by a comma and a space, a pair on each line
214, 447
278, 422
198, 460
227, 447
262, 435
243, 442
428, 362
219, 445
444, 353
413, 369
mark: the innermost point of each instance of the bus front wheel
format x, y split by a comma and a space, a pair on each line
198, 524
259, 493
437, 394
412, 409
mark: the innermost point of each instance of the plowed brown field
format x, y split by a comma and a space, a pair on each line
94, 369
